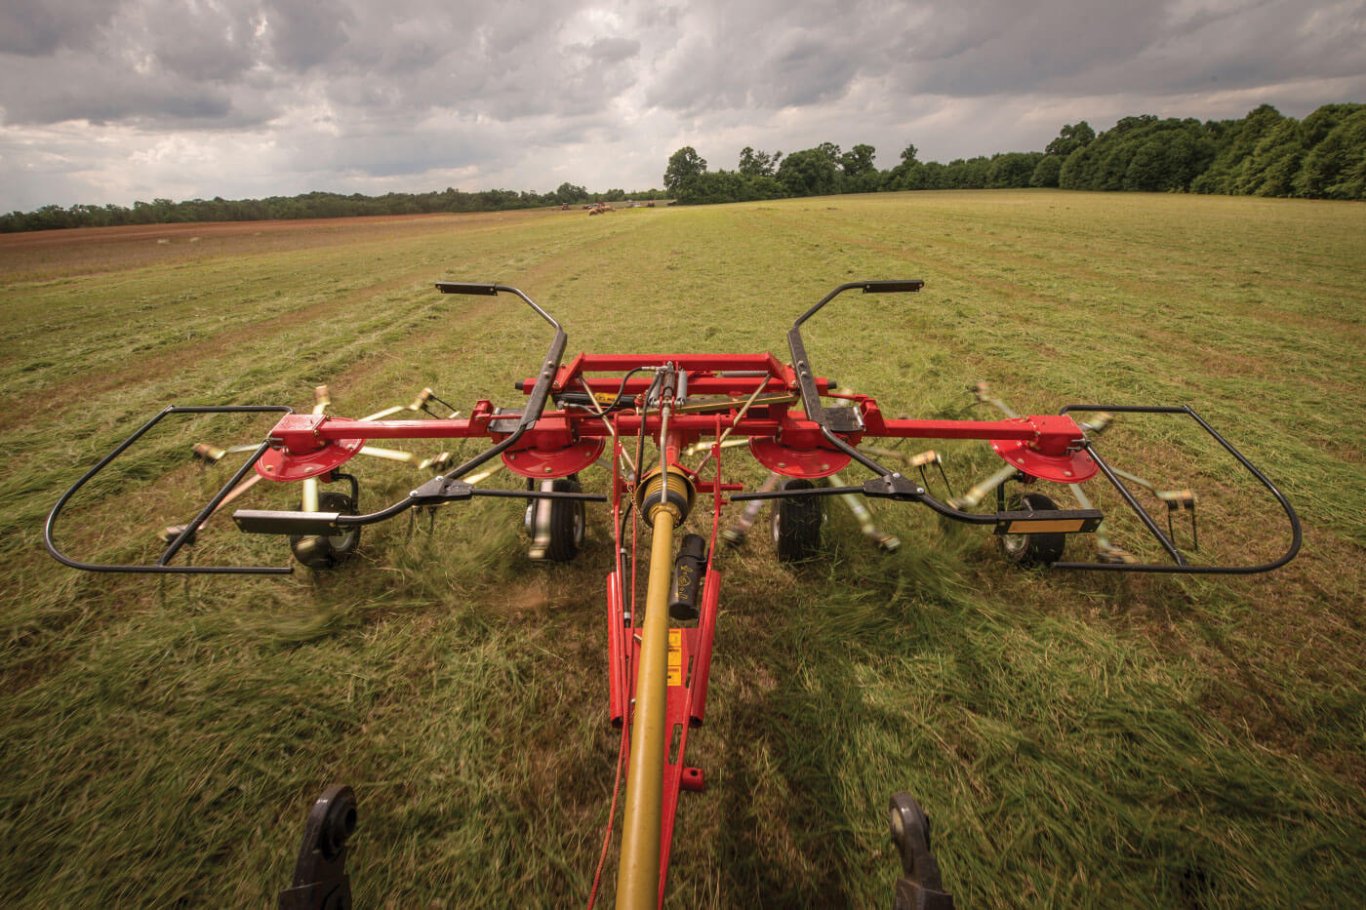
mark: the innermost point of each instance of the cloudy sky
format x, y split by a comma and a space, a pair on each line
116, 100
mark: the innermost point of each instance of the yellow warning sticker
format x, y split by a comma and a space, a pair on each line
1059, 526
675, 657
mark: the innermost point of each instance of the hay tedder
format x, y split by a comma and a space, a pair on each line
665, 422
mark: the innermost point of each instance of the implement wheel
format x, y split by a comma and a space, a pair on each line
797, 524
331, 550
1028, 550
556, 526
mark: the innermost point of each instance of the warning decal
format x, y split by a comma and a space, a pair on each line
675, 657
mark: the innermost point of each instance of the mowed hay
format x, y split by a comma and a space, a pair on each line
1078, 739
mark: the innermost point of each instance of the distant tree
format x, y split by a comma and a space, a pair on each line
1324, 120
1148, 166
1335, 166
928, 175
764, 188
858, 160
1169, 159
709, 187
1072, 174
859, 173
1275, 160
568, 192
1070, 138
758, 164
969, 174
1012, 170
1235, 141
1046, 171
730, 186
685, 165
810, 172
1140, 153
900, 176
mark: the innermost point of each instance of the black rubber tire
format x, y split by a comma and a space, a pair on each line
567, 520
331, 550
1029, 550
797, 524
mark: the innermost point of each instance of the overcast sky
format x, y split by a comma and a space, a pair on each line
116, 100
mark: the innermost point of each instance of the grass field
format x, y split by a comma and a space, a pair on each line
1079, 740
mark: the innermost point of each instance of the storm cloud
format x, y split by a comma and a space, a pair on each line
112, 100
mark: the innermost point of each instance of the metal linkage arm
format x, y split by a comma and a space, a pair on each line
444, 487
901, 488
437, 491
544, 378
806, 377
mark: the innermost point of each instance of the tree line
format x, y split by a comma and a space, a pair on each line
1263, 154
1322, 156
307, 205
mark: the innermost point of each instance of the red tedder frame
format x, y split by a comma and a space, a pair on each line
796, 425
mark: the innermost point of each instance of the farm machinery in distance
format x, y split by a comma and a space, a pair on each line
665, 423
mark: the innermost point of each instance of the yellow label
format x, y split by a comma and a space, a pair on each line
675, 657
1044, 526
606, 397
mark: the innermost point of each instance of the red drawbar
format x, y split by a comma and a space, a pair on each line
689, 665
616, 652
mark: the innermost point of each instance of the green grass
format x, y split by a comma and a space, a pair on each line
1078, 740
